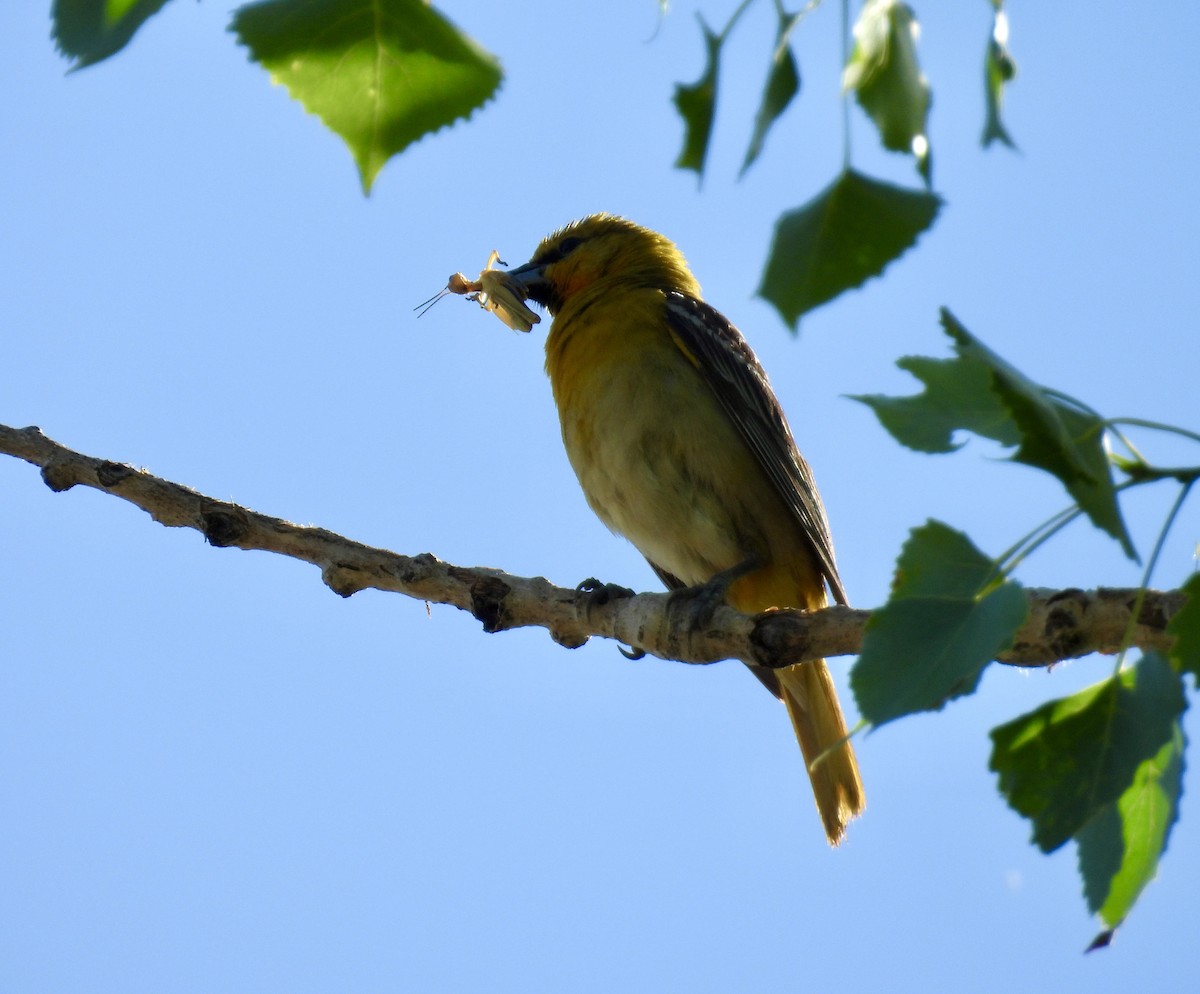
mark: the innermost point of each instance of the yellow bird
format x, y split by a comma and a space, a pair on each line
680, 445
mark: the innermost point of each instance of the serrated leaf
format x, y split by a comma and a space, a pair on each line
999, 68
783, 83
89, 31
1054, 436
886, 78
697, 106
1185, 626
1119, 848
846, 234
1064, 763
379, 73
943, 623
982, 393
957, 395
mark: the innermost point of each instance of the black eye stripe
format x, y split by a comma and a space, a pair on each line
558, 251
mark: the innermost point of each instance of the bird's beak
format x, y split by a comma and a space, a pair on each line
532, 280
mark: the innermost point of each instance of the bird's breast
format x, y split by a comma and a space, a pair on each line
657, 458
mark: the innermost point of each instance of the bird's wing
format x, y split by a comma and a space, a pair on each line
735, 375
669, 580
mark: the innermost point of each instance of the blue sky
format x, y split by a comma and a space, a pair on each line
221, 777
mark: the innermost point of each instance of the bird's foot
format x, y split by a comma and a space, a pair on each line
591, 593
695, 606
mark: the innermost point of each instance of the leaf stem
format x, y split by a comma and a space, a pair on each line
793, 20
741, 9
1155, 426
1012, 557
1125, 441
1074, 402
1145, 473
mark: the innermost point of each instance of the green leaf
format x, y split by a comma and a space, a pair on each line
783, 83
1055, 436
886, 77
1120, 847
89, 31
697, 105
982, 393
1061, 765
380, 73
846, 234
945, 602
958, 394
1185, 626
1104, 766
999, 68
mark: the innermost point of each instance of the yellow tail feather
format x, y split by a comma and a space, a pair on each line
807, 690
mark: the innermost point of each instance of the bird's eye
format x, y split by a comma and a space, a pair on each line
558, 250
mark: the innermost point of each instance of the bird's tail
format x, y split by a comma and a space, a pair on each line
811, 698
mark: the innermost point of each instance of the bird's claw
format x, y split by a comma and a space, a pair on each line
592, 593
696, 605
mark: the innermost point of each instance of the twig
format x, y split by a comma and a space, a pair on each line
1061, 625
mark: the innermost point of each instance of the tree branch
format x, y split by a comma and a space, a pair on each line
1061, 624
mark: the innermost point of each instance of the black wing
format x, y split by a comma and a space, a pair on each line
737, 378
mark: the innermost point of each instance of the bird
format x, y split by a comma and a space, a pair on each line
681, 446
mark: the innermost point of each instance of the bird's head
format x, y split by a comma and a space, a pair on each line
598, 252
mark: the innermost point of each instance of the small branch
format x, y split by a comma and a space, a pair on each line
1061, 625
